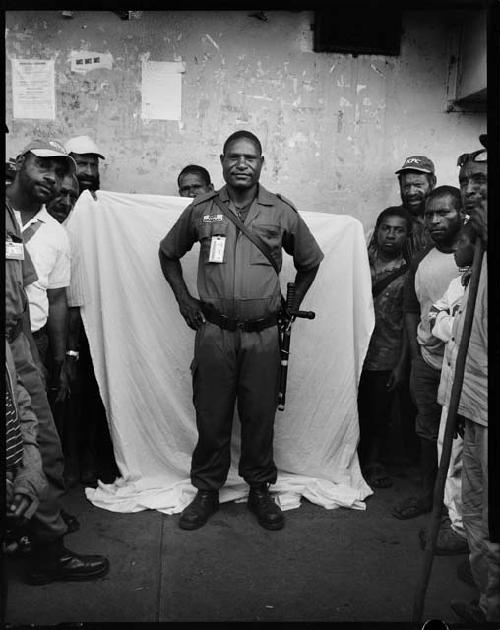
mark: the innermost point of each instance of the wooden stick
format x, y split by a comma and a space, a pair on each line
456, 390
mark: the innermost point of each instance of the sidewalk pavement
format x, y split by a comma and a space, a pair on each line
325, 565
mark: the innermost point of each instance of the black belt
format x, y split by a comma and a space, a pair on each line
40, 333
226, 323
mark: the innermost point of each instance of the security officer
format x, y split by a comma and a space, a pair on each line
237, 341
38, 178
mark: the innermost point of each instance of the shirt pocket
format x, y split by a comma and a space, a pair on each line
205, 233
270, 235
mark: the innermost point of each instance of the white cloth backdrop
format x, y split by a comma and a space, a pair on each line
142, 349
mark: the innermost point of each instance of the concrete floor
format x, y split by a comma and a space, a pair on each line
325, 565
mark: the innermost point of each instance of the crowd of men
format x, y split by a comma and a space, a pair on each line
420, 256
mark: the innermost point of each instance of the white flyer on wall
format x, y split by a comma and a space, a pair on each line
33, 88
162, 90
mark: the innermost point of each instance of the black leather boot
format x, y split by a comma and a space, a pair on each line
51, 562
201, 508
263, 506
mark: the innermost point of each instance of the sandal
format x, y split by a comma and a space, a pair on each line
377, 476
412, 507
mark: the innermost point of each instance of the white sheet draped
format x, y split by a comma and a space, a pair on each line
142, 349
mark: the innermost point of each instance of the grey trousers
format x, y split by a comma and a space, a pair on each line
484, 555
231, 367
46, 525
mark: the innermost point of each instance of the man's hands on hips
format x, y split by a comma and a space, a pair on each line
190, 309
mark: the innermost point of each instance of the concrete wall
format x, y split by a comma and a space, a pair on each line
334, 128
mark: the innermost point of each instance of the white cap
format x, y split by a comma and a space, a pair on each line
83, 145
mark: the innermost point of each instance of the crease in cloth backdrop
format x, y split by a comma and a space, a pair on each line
142, 350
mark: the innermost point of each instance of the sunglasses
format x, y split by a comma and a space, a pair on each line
476, 156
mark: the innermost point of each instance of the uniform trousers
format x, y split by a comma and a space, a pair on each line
47, 524
484, 555
231, 367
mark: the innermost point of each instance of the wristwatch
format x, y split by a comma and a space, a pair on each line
73, 354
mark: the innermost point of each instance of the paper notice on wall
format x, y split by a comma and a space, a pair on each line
162, 90
33, 88
84, 60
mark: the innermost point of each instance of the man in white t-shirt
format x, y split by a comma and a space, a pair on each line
430, 273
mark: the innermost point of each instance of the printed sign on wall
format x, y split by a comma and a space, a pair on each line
162, 90
84, 60
33, 88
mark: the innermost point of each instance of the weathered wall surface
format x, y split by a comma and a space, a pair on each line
334, 128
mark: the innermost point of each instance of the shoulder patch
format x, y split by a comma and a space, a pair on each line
205, 197
287, 201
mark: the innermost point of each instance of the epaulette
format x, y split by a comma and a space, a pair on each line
287, 201
205, 197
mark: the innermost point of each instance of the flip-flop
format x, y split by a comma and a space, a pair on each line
377, 476
412, 507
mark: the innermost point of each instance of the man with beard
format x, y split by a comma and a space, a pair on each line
416, 180
86, 155
96, 458
237, 355
40, 170
430, 274
472, 415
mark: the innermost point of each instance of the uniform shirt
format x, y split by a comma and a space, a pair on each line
244, 285
18, 274
50, 252
386, 341
429, 275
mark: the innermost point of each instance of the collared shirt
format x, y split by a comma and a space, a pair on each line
244, 285
18, 273
443, 311
444, 314
473, 402
76, 290
430, 274
386, 341
50, 252
474, 397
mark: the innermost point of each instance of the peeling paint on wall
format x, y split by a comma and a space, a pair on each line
333, 127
